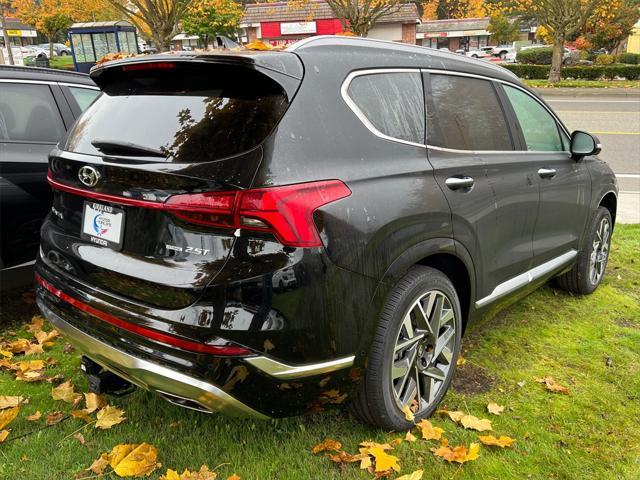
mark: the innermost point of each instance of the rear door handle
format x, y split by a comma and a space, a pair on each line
547, 172
457, 183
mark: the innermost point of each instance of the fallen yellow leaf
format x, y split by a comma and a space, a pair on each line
233, 477
501, 442
8, 416
455, 416
203, 474
30, 365
3, 435
45, 337
54, 417
129, 460
408, 414
474, 423
36, 324
429, 432
410, 437
35, 416
19, 346
108, 417
461, 361
417, 475
458, 454
327, 444
65, 392
6, 353
100, 464
94, 402
83, 414
10, 401
384, 461
552, 385
495, 409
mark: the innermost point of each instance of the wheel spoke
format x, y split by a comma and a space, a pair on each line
434, 320
405, 345
408, 364
442, 341
435, 373
410, 392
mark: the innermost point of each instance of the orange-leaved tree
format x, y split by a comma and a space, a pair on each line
159, 19
451, 9
359, 16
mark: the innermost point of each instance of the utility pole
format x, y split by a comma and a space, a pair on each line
3, 25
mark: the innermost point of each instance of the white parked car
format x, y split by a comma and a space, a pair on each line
502, 50
482, 52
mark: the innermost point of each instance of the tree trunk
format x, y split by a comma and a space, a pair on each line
556, 59
51, 48
7, 41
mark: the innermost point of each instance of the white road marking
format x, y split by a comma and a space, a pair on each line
628, 175
628, 191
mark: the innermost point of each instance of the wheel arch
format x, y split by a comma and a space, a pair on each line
610, 201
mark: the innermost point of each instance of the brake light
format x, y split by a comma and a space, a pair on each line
148, 66
286, 211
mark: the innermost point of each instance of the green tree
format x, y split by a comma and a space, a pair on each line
611, 22
207, 18
502, 29
359, 16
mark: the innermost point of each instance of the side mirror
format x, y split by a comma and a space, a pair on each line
584, 144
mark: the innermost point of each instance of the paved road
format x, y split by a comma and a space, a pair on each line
616, 122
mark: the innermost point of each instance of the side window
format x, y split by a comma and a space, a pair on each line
538, 126
392, 103
84, 96
466, 115
28, 113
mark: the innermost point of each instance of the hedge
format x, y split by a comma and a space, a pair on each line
592, 72
628, 58
536, 56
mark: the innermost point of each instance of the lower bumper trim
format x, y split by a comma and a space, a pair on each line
148, 375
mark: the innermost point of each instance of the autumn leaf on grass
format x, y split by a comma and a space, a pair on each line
384, 461
82, 414
65, 392
495, 409
410, 437
458, 454
417, 475
552, 385
19, 346
10, 401
94, 402
45, 338
408, 414
327, 444
460, 361
3, 435
30, 365
429, 432
6, 353
100, 464
475, 423
35, 416
203, 474
501, 442
108, 417
54, 417
455, 416
128, 460
7, 416
234, 477
37, 321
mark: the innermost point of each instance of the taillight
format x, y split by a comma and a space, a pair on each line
286, 211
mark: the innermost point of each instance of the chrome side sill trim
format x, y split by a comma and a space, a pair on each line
148, 375
527, 277
287, 372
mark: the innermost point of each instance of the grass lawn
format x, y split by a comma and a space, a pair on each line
584, 83
589, 344
64, 62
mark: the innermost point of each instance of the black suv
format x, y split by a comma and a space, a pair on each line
270, 233
37, 106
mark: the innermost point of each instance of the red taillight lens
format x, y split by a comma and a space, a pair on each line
148, 66
285, 211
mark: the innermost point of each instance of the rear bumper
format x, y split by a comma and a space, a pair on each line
167, 382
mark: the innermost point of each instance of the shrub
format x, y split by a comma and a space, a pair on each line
605, 59
628, 58
535, 56
592, 72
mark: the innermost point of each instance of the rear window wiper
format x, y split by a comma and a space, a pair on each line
115, 147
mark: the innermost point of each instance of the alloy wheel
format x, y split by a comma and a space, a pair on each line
600, 251
423, 352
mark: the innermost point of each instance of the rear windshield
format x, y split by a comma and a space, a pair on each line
190, 113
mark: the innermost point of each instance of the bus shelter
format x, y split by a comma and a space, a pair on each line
93, 40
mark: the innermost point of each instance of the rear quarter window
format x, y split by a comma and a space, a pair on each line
391, 103
191, 114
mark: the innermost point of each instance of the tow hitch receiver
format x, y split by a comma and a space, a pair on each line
104, 381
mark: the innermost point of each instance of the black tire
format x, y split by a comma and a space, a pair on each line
63, 53
579, 279
377, 402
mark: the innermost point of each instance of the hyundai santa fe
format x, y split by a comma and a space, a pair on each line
402, 193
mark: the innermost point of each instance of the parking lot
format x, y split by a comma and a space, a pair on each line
616, 122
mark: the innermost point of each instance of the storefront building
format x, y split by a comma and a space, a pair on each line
19, 33
466, 34
281, 23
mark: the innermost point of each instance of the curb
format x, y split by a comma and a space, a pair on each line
588, 92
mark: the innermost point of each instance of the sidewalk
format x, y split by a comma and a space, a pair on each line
588, 92
628, 208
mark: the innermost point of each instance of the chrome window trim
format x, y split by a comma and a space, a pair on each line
360, 114
285, 371
527, 277
47, 82
78, 85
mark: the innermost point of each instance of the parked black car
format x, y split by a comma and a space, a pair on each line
37, 106
196, 180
